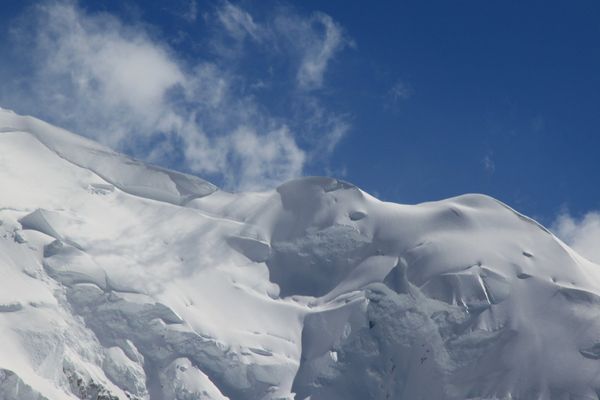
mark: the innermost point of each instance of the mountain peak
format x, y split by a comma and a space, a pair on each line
122, 280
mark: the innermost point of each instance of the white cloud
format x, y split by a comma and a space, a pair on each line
233, 28
311, 42
325, 129
237, 22
488, 164
317, 40
401, 91
191, 13
320, 52
314, 41
275, 152
582, 234
95, 74
122, 86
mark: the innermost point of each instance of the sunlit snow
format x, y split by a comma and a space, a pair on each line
121, 280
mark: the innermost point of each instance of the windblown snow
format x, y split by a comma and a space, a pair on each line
121, 280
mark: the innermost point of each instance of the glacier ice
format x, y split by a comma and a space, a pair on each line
121, 280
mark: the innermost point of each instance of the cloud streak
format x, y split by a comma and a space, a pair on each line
117, 83
319, 50
401, 91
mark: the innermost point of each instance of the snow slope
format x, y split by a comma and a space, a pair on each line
121, 280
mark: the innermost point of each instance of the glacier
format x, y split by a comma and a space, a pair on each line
120, 280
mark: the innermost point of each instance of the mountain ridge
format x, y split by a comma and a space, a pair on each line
123, 280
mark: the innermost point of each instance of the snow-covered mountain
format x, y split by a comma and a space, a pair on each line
121, 280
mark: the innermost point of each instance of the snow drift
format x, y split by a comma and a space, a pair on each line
121, 280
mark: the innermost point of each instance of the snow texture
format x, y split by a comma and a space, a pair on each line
121, 280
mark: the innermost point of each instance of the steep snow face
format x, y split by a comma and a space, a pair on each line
120, 280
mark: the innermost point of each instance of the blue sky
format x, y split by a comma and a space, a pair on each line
411, 101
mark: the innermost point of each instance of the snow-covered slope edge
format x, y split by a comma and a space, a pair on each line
131, 176
120, 280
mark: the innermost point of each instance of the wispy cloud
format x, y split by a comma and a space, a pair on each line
238, 22
122, 85
582, 234
488, 163
312, 41
191, 13
401, 91
318, 46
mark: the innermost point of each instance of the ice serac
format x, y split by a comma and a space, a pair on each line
120, 280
